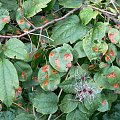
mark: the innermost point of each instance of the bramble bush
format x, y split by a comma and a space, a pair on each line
59, 59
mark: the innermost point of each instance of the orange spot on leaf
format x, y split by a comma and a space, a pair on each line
67, 57
6, 19
46, 83
51, 54
57, 63
111, 52
25, 30
116, 85
111, 75
54, 71
36, 56
21, 21
46, 21
95, 49
103, 102
111, 37
23, 74
28, 55
46, 76
68, 65
45, 68
107, 58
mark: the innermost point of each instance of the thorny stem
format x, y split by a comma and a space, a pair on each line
106, 13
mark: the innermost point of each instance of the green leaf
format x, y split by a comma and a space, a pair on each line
9, 4
104, 106
86, 14
79, 48
114, 35
111, 53
76, 115
68, 30
15, 49
24, 70
46, 103
93, 49
71, 3
22, 22
93, 104
68, 85
99, 31
114, 114
4, 17
8, 80
68, 104
48, 78
101, 81
7, 115
83, 109
60, 58
96, 1
118, 58
32, 7
113, 75
24, 116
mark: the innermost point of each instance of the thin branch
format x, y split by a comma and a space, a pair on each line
29, 22
39, 38
101, 10
106, 13
19, 106
43, 26
42, 36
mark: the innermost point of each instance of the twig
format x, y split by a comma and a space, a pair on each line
39, 38
43, 26
19, 106
42, 36
106, 13
29, 22
101, 10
